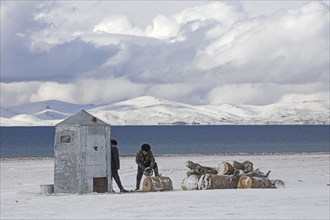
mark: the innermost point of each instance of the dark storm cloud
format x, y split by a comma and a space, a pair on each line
62, 63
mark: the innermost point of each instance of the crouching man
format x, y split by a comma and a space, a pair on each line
144, 159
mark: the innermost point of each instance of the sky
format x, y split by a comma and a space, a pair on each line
195, 52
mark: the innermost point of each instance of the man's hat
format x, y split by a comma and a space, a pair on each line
113, 142
145, 147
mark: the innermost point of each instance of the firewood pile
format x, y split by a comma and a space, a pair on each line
227, 176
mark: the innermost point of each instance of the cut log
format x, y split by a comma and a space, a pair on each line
257, 173
191, 172
199, 169
227, 169
278, 183
248, 166
190, 183
246, 182
158, 183
238, 165
212, 181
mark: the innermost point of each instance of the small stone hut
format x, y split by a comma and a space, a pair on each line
82, 155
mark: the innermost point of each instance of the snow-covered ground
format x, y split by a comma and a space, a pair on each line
306, 195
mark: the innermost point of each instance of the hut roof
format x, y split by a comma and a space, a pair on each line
82, 118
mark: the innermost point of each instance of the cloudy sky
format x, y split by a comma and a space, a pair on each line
196, 52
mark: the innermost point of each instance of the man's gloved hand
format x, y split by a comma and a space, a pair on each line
148, 171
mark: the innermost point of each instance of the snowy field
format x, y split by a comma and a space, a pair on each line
306, 195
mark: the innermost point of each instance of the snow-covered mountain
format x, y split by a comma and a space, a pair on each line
148, 110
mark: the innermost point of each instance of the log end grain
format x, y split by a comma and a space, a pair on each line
190, 183
244, 182
226, 168
147, 185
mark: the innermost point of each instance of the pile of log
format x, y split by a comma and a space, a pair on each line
227, 176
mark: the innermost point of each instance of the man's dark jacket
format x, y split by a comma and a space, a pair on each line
115, 163
144, 160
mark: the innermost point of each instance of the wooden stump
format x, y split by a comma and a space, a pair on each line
212, 181
190, 183
158, 183
238, 165
246, 166
227, 169
257, 173
278, 183
199, 169
191, 172
246, 182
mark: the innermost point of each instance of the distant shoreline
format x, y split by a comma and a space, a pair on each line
185, 155
178, 125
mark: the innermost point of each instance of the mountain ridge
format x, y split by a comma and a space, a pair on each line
149, 110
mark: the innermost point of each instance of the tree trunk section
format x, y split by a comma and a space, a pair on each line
197, 169
158, 183
246, 182
278, 183
246, 166
227, 169
238, 165
212, 181
190, 183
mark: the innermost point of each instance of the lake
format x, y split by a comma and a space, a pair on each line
190, 139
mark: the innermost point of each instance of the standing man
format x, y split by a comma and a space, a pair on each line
115, 165
144, 159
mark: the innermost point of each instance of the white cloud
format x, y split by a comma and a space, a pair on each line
53, 91
267, 93
106, 91
298, 97
223, 12
242, 93
296, 37
118, 24
17, 92
175, 91
163, 28
212, 52
83, 91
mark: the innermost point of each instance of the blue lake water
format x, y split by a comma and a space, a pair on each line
39, 141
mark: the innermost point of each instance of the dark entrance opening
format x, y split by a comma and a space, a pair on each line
100, 184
